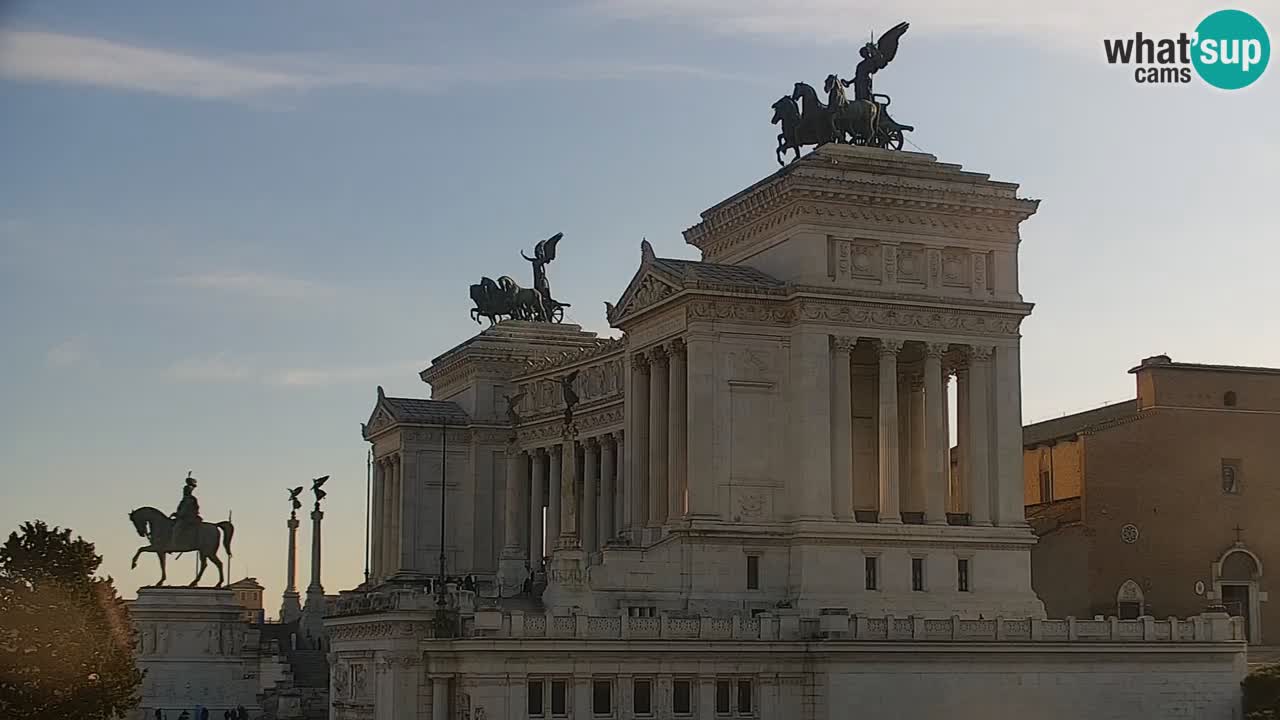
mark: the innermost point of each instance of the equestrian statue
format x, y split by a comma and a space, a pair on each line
865, 120
183, 531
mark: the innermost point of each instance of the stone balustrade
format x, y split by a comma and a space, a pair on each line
839, 625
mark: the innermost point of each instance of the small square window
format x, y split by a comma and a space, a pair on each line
722, 697
558, 705
917, 574
682, 697
602, 697
753, 572
744, 697
535, 697
872, 565
641, 700
962, 574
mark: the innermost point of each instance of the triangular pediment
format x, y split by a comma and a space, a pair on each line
382, 417
650, 285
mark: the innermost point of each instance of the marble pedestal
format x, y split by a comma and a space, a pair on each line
192, 648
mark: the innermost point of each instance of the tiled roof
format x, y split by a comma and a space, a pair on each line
426, 412
716, 273
1069, 425
1044, 518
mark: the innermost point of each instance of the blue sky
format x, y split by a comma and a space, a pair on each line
222, 227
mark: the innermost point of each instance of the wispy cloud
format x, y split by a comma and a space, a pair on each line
310, 377
1061, 23
65, 354
271, 286
219, 368
53, 57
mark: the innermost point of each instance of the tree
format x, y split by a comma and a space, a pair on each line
66, 643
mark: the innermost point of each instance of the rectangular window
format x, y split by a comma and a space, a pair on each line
558, 707
744, 697
535, 697
722, 697
753, 572
873, 573
917, 574
641, 703
682, 697
602, 697
1046, 486
962, 575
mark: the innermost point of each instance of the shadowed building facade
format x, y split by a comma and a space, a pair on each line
1164, 504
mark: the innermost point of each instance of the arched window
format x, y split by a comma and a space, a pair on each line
1238, 566
1229, 398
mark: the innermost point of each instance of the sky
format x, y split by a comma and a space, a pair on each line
222, 226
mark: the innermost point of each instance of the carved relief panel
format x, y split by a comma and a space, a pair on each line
955, 267
853, 260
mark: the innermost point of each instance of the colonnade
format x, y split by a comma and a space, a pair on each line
576, 483
385, 511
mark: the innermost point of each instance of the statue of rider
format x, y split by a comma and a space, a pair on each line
187, 517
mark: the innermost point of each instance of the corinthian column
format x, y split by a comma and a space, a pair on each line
537, 487
979, 480
376, 522
590, 486
636, 497
658, 396
608, 488
556, 497
841, 430
935, 436
887, 350
678, 433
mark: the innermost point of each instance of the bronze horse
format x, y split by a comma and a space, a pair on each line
157, 528
506, 298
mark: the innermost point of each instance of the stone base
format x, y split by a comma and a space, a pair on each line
512, 572
290, 607
567, 580
193, 650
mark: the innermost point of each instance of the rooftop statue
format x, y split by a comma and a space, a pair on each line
865, 120
570, 396
315, 488
294, 502
506, 298
183, 531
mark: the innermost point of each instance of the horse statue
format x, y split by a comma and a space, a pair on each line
157, 528
491, 302
525, 303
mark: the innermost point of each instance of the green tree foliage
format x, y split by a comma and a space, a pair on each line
1262, 693
66, 644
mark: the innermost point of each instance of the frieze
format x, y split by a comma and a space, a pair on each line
949, 225
432, 435
741, 311
910, 319
568, 357
650, 291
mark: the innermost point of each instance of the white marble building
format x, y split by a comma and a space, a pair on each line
753, 505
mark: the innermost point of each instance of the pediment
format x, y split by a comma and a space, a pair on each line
650, 285
381, 418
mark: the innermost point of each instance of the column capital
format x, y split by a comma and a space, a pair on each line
843, 342
593, 443
980, 353
657, 355
675, 347
936, 350
640, 360
888, 347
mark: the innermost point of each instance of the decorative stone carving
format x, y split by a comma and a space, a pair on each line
887, 347
979, 273
936, 350
751, 506
911, 264
953, 268
890, 253
980, 353
844, 342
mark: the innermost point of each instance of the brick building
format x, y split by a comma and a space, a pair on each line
1163, 504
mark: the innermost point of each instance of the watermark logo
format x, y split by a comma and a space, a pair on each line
1228, 50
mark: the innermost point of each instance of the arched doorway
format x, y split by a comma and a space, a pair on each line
1129, 601
1236, 579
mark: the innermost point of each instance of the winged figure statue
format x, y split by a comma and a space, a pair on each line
293, 498
875, 57
315, 488
513, 403
570, 396
543, 254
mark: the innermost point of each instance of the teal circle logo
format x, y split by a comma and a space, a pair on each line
1231, 49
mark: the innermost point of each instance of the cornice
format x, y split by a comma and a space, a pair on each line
568, 358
